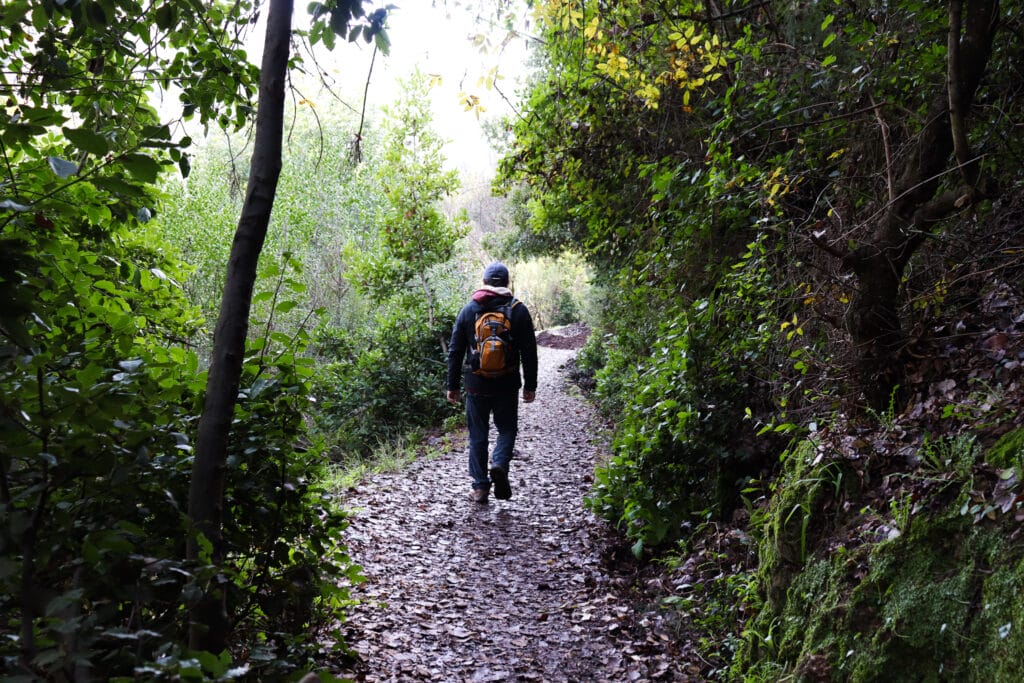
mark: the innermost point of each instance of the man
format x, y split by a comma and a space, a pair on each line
492, 395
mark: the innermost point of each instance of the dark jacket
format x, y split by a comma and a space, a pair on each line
523, 338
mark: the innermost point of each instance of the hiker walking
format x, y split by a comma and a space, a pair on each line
492, 337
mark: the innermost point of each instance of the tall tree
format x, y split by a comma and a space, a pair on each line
937, 177
210, 621
415, 235
209, 626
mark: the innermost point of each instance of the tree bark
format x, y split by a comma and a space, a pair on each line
873, 317
209, 622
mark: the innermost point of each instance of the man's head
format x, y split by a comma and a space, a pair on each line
496, 275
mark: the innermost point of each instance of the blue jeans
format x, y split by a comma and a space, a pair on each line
479, 409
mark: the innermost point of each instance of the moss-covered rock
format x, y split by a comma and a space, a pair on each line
939, 597
796, 516
1008, 451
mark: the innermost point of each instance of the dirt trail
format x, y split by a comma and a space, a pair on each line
519, 590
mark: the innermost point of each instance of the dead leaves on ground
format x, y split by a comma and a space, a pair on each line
513, 591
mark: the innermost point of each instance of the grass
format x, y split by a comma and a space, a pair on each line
387, 456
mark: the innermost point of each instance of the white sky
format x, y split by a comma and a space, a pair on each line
439, 43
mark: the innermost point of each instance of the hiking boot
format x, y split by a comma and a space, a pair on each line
479, 495
502, 490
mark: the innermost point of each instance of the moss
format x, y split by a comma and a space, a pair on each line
1008, 451
795, 521
999, 627
921, 587
790, 532
942, 602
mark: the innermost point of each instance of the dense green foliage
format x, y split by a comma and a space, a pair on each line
101, 379
366, 268
725, 167
926, 590
788, 205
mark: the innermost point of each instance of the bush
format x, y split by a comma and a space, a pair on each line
682, 387
382, 381
99, 412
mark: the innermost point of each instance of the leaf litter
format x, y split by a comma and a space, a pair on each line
535, 588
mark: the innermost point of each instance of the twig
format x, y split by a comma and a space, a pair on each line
884, 128
357, 150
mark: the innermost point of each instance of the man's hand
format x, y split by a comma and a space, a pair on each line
454, 396
528, 396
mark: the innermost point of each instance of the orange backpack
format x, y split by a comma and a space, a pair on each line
493, 352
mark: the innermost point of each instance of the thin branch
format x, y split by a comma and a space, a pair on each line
321, 74
827, 248
319, 125
961, 147
884, 128
357, 150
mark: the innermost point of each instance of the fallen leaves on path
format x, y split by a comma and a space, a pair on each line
518, 590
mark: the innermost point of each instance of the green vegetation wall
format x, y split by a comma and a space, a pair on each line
917, 577
101, 376
773, 195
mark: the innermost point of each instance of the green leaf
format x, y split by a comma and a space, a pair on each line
383, 42
118, 186
340, 16
185, 166
130, 365
166, 16
143, 167
96, 14
87, 140
317, 9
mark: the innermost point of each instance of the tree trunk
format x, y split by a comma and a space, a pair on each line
873, 317
208, 629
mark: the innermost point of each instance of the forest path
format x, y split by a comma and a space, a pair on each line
527, 589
